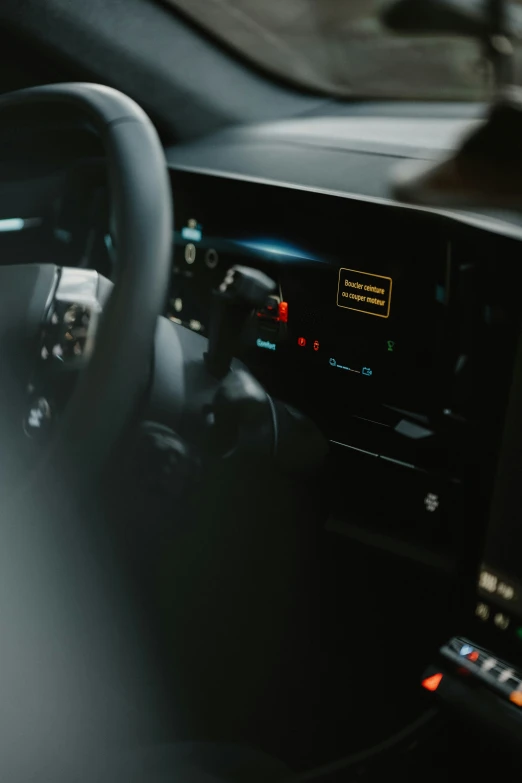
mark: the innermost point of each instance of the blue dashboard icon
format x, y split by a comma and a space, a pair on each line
332, 362
366, 371
266, 344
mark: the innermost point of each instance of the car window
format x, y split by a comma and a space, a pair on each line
341, 47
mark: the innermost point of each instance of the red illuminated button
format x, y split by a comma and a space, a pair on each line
283, 312
301, 342
316, 345
432, 683
473, 656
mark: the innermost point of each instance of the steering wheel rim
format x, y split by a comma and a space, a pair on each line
72, 655
110, 387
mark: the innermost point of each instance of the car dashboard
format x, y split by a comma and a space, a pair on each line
394, 328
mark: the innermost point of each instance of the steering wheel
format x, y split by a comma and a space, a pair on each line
69, 655
50, 317
77, 355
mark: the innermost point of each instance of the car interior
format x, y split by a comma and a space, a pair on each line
223, 557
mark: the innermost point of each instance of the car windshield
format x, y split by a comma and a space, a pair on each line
342, 47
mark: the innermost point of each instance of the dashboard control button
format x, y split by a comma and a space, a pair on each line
515, 697
497, 675
431, 502
402, 490
502, 621
432, 683
497, 670
482, 611
283, 312
38, 418
505, 675
77, 317
69, 317
270, 311
190, 253
211, 258
488, 664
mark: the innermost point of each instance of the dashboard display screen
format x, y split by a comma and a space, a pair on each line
360, 300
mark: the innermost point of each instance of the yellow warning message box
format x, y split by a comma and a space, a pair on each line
364, 292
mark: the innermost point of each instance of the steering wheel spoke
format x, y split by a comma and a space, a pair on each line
66, 343
66, 371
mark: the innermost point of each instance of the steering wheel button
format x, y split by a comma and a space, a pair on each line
38, 418
76, 316
70, 316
